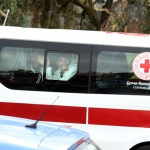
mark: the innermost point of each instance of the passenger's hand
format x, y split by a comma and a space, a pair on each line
40, 59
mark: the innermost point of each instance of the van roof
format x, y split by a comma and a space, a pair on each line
75, 36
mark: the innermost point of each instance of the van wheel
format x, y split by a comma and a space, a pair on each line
146, 147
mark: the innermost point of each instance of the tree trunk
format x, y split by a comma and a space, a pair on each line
35, 19
45, 14
105, 14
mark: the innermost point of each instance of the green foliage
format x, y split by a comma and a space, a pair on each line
132, 16
146, 26
17, 11
77, 14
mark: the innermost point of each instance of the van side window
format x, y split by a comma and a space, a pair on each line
115, 74
21, 67
61, 66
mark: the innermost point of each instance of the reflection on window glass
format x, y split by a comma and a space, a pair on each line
114, 73
22, 65
130, 58
13, 58
61, 66
112, 62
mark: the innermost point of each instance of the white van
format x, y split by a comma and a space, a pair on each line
101, 78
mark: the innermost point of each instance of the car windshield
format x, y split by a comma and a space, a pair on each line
88, 145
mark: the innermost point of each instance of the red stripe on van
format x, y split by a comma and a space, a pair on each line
119, 117
73, 114
33, 111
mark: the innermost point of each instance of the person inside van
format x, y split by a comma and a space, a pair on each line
37, 65
66, 68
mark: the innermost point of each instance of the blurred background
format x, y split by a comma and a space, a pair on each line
102, 15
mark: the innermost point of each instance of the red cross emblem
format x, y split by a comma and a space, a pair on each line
146, 66
141, 66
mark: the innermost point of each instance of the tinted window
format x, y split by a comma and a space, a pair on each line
21, 66
114, 71
24, 65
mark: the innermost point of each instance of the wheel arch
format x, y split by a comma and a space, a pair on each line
146, 143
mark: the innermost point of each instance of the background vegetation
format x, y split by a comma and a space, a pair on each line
106, 15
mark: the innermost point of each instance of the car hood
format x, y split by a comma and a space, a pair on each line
13, 133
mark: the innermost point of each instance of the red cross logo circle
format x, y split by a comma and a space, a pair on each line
141, 66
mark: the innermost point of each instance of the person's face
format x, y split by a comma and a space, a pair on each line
63, 63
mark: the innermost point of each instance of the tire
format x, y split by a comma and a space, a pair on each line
146, 147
